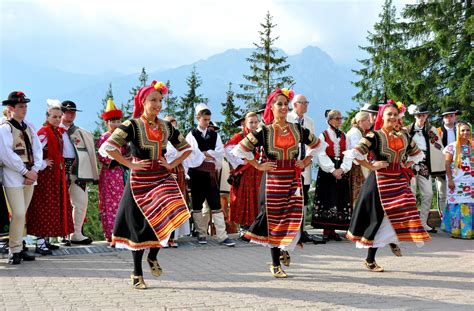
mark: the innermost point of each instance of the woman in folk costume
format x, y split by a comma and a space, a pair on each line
152, 205
459, 210
281, 212
332, 202
244, 201
50, 211
111, 178
385, 212
360, 125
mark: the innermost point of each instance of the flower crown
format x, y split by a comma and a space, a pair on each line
287, 92
160, 87
400, 106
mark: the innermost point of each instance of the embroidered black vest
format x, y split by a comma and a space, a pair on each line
205, 143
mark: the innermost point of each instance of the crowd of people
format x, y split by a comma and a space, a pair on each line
155, 183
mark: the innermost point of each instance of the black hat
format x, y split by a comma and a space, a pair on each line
450, 110
238, 122
416, 110
215, 127
326, 113
68, 105
261, 108
15, 97
372, 108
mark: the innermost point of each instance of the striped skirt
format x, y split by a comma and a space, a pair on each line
281, 208
386, 194
152, 207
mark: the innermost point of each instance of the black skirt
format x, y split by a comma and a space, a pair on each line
131, 229
4, 216
332, 202
368, 212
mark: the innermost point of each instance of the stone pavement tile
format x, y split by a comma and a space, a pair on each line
438, 276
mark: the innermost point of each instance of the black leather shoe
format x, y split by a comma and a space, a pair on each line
432, 230
317, 240
66, 242
14, 259
27, 257
86, 241
52, 246
43, 251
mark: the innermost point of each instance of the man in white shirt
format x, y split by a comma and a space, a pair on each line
22, 157
297, 115
428, 140
81, 168
448, 135
209, 150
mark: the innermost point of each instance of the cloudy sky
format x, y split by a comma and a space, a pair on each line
95, 36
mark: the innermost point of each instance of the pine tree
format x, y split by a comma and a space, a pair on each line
170, 102
231, 113
439, 57
101, 126
380, 75
186, 116
127, 108
267, 69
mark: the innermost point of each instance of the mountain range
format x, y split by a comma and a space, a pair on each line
325, 83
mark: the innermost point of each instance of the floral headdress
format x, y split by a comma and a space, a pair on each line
143, 93
379, 121
268, 114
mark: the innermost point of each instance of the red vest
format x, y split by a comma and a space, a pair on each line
330, 147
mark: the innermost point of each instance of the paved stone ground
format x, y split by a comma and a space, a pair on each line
438, 276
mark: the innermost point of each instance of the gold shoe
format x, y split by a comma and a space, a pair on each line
396, 250
285, 258
155, 267
373, 266
138, 282
278, 272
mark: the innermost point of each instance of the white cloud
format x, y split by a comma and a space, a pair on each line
102, 35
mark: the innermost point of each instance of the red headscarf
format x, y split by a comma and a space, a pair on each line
379, 121
268, 114
143, 93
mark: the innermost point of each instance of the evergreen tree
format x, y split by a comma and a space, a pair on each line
231, 113
380, 78
439, 57
170, 103
101, 126
186, 115
127, 108
267, 69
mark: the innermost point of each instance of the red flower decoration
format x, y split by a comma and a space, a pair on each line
466, 188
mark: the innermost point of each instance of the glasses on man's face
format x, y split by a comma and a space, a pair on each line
337, 118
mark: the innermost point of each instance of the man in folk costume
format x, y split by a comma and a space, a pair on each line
297, 115
208, 146
428, 140
22, 157
81, 167
4, 213
448, 136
